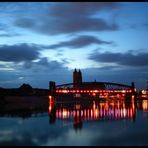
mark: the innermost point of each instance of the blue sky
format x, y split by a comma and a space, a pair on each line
43, 41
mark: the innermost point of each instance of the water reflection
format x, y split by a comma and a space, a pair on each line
25, 107
77, 111
80, 112
145, 105
81, 118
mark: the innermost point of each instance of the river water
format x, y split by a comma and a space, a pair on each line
76, 123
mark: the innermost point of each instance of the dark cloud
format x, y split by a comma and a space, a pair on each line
36, 73
109, 67
25, 23
127, 59
116, 74
76, 25
18, 53
76, 9
79, 42
64, 18
44, 63
54, 65
49, 65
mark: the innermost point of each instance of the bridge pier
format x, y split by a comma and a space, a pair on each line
52, 88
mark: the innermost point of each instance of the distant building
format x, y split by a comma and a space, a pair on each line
77, 81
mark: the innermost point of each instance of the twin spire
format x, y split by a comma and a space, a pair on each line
76, 70
77, 77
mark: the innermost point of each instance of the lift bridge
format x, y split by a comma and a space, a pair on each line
109, 88
78, 87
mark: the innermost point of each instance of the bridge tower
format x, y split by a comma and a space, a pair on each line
77, 78
52, 87
147, 84
133, 87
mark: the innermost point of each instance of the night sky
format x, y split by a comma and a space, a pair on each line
43, 41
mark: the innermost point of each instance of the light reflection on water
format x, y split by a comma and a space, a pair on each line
110, 122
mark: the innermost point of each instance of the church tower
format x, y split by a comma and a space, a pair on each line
77, 78
80, 76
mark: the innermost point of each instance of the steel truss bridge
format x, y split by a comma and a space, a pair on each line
110, 87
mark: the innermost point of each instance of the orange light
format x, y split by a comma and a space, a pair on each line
94, 94
124, 112
50, 108
130, 90
60, 113
131, 113
85, 113
96, 113
64, 91
118, 105
50, 97
57, 114
123, 91
65, 113
88, 113
91, 113
145, 104
144, 92
78, 106
128, 112
95, 91
77, 112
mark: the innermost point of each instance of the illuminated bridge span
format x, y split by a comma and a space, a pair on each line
90, 87
108, 87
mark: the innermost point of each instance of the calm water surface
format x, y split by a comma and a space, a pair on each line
111, 122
